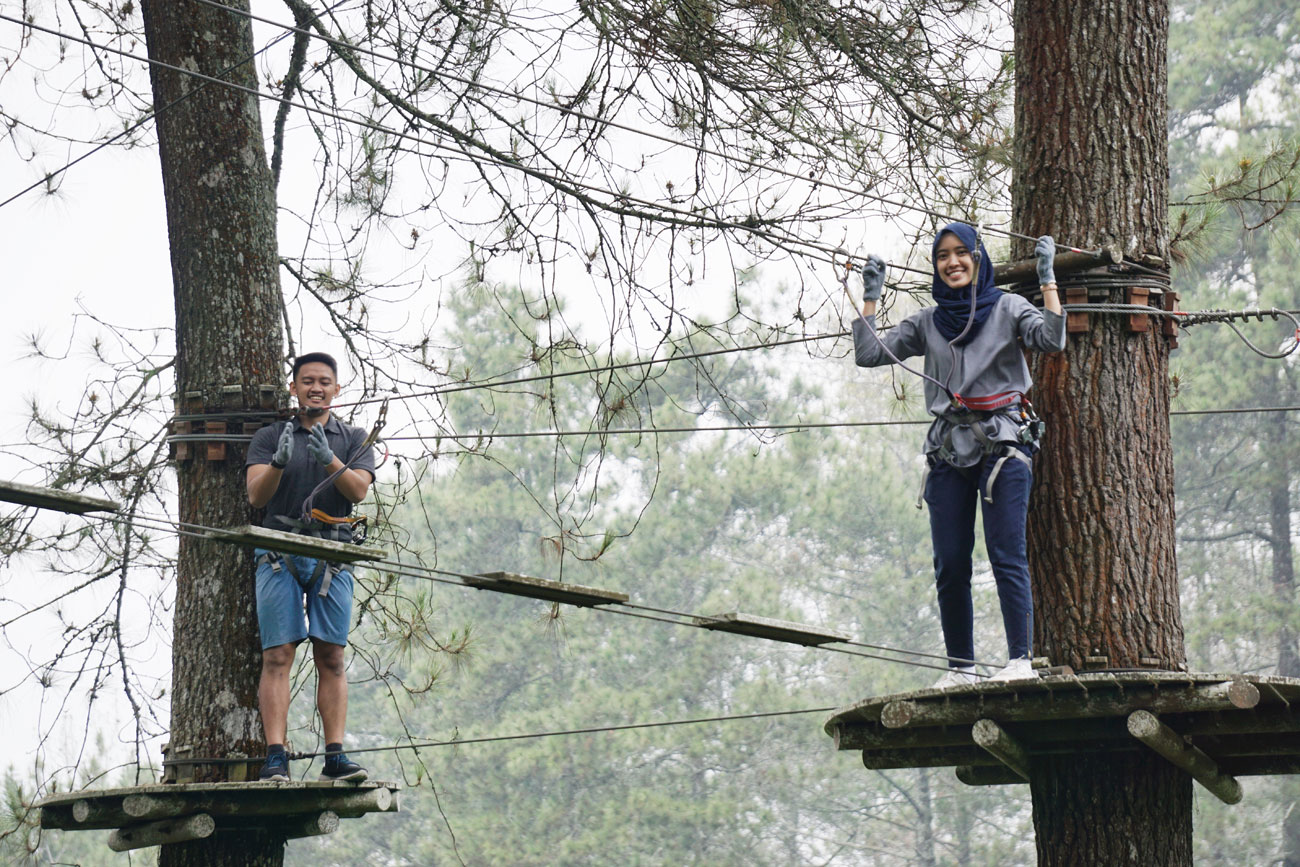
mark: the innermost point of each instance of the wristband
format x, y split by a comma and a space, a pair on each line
278, 466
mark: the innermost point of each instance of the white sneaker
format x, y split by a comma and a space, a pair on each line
1016, 669
956, 677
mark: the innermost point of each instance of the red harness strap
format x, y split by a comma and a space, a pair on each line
990, 402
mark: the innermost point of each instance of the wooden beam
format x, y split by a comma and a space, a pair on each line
54, 500
926, 758
988, 775
289, 827
996, 742
1099, 701
180, 830
1067, 262
1147, 727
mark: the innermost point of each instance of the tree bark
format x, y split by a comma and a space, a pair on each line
225, 269
1091, 168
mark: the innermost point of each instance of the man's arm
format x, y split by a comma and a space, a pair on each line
351, 483
266, 465
262, 480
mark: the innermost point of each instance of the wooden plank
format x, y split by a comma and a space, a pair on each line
541, 588
994, 740
297, 543
1147, 727
1139, 322
770, 628
1076, 323
54, 500
157, 833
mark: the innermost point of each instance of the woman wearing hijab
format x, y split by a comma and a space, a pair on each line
980, 445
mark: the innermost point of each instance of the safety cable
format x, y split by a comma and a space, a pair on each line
793, 427
446, 576
221, 760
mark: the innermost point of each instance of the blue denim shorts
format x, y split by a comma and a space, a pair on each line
288, 612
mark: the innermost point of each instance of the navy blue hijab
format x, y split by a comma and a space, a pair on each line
953, 305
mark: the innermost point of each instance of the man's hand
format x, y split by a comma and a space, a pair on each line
284, 448
1045, 253
318, 446
873, 278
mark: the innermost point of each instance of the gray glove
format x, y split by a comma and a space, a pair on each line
1045, 252
318, 446
873, 278
283, 448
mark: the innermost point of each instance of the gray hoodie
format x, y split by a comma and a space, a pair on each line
990, 363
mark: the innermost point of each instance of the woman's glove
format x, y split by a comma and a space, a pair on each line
1045, 252
873, 278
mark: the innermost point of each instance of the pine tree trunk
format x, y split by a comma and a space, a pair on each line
225, 270
1091, 168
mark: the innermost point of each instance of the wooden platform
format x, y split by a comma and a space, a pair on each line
1215, 726
154, 814
297, 543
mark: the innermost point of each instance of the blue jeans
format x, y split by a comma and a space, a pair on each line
952, 493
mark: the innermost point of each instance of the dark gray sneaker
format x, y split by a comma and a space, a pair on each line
339, 767
276, 768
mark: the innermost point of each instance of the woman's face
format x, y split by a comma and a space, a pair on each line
953, 262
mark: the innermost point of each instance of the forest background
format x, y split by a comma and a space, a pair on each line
814, 526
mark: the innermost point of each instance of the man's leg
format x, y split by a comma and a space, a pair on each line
273, 691
329, 617
331, 689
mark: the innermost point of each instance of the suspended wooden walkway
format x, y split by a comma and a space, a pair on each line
173, 813
1216, 727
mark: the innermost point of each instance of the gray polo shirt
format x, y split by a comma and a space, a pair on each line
302, 473
991, 363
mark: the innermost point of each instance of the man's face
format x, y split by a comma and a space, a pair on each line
314, 387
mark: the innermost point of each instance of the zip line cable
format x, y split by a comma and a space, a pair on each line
337, 43
50, 176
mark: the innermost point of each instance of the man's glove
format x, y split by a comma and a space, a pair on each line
319, 447
1045, 252
284, 448
873, 278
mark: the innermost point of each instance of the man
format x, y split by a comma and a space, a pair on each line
285, 464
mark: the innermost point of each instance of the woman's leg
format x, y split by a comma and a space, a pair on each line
950, 494
1004, 536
